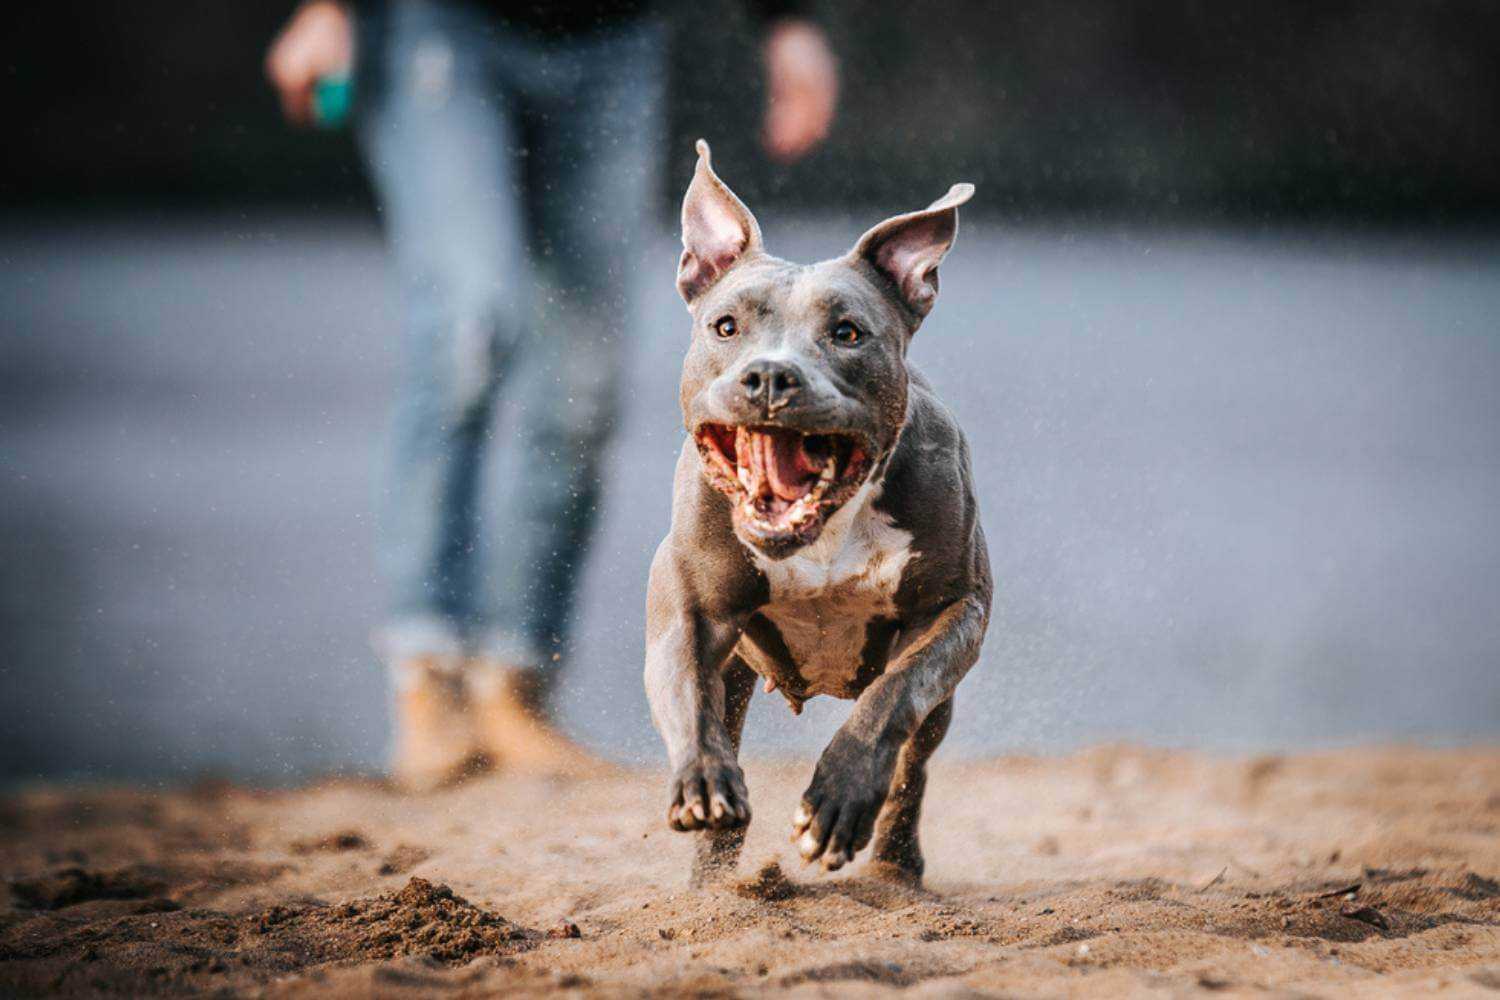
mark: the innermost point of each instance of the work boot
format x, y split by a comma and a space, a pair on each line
434, 742
515, 727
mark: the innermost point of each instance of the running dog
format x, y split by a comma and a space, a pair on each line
825, 538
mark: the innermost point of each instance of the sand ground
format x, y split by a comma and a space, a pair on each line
1112, 872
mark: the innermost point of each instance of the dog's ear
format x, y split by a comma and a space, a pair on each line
908, 248
717, 230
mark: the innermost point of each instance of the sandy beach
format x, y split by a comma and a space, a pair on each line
1112, 872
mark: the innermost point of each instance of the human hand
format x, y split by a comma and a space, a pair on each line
802, 88
317, 42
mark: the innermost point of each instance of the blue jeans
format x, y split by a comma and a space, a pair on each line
515, 175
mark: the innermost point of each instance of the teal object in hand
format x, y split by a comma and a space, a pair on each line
332, 98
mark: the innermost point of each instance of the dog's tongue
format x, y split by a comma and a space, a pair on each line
777, 459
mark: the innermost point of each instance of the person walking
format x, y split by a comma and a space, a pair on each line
513, 148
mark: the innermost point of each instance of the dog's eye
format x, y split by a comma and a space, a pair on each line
847, 333
726, 328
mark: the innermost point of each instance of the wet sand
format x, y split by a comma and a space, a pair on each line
1111, 872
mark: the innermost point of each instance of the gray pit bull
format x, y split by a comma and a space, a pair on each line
824, 538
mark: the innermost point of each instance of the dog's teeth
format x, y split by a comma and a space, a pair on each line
744, 476
805, 507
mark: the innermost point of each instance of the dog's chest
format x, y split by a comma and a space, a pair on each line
824, 598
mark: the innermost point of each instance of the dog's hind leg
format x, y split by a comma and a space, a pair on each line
898, 855
718, 851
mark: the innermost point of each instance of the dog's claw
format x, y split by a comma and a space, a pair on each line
722, 810
808, 846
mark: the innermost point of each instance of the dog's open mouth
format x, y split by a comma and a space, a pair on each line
784, 483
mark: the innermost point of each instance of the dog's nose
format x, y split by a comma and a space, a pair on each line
772, 384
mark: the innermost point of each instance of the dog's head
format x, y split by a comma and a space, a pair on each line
795, 385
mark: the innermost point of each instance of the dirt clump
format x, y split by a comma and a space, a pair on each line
343, 840
189, 950
69, 886
421, 919
769, 884
402, 860
1477, 887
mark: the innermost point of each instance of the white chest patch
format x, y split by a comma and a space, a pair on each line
824, 596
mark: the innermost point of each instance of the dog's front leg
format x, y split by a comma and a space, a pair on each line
836, 818
718, 850
685, 653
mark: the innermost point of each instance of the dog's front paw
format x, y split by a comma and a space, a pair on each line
837, 816
709, 793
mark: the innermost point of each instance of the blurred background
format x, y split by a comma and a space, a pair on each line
1221, 325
